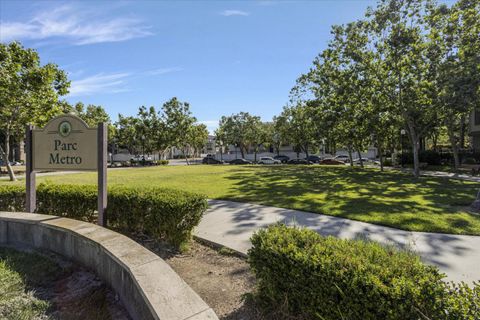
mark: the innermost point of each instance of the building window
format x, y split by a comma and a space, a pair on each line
477, 117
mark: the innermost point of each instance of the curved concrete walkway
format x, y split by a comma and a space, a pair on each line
231, 224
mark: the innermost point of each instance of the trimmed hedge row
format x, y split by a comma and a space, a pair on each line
158, 212
302, 275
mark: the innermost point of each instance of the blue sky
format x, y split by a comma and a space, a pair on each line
221, 56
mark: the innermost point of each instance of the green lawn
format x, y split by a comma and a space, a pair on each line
20, 272
389, 198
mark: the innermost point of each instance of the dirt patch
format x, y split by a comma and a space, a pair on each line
68, 290
221, 278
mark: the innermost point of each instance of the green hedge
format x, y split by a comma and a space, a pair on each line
158, 212
302, 275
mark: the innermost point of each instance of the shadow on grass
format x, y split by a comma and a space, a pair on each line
389, 198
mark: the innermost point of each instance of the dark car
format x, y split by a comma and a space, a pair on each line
240, 161
314, 159
282, 158
299, 161
332, 162
210, 160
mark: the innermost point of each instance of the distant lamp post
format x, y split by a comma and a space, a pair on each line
402, 132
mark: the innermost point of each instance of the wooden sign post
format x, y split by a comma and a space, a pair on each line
66, 143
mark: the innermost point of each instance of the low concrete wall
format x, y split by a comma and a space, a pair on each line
147, 286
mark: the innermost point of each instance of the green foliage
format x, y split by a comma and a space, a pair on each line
29, 93
304, 275
428, 156
159, 212
12, 198
161, 162
19, 271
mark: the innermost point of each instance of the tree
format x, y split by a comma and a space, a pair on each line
454, 34
198, 137
178, 123
92, 115
28, 93
300, 127
126, 133
255, 133
235, 130
146, 128
401, 37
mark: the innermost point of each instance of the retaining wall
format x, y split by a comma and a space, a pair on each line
146, 284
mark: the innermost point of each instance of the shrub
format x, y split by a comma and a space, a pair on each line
470, 160
158, 212
72, 201
12, 198
430, 157
306, 276
387, 162
161, 162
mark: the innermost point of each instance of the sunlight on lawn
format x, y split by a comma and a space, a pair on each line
388, 198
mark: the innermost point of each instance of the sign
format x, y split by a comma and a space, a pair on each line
66, 143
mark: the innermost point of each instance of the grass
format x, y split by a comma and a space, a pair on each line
390, 198
19, 273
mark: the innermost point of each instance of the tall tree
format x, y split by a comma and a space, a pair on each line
126, 133
29, 93
255, 134
178, 122
401, 38
198, 137
235, 130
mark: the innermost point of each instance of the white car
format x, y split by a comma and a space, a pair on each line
269, 160
343, 158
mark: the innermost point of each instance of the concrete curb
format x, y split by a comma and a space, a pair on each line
146, 284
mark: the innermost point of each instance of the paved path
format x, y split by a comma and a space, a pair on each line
231, 224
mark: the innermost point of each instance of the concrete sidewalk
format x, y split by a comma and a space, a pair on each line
231, 224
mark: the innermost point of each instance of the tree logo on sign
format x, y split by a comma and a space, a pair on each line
64, 128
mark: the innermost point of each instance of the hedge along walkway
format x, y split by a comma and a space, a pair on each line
231, 224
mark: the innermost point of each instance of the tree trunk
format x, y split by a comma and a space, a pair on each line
360, 157
186, 156
380, 156
255, 156
462, 132
306, 151
350, 156
6, 153
453, 142
415, 140
242, 152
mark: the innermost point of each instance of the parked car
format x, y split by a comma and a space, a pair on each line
12, 163
299, 161
142, 159
282, 158
240, 161
314, 159
331, 161
342, 157
357, 161
210, 160
269, 160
